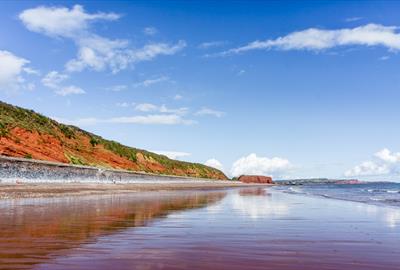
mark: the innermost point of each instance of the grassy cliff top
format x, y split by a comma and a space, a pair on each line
77, 146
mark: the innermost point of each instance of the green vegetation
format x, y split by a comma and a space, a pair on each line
94, 141
3, 130
76, 161
67, 131
12, 116
28, 156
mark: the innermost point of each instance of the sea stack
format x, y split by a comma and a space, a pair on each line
256, 179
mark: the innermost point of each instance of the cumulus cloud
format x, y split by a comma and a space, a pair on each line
150, 31
207, 111
149, 107
151, 119
12, 68
214, 163
149, 82
315, 39
387, 156
172, 154
385, 163
61, 21
254, 165
94, 52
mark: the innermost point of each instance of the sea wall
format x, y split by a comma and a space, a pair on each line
20, 170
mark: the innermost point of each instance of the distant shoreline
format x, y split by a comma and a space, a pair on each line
26, 178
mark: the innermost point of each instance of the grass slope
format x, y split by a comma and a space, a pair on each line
29, 134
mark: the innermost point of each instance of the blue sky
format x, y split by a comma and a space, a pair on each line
289, 89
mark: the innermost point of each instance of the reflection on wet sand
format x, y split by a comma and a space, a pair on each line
253, 192
236, 229
35, 230
257, 203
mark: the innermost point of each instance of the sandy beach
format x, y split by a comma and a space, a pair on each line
226, 228
42, 190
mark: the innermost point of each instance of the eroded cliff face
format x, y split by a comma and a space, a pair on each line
256, 179
24, 133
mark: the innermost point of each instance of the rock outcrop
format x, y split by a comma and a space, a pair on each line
260, 179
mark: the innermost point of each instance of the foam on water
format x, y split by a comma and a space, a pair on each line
382, 193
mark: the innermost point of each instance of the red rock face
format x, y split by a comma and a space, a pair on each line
256, 179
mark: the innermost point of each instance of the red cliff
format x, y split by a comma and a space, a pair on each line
256, 179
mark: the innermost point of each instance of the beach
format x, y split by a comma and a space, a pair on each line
228, 228
46, 190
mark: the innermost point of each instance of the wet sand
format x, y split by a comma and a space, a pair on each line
239, 228
25, 190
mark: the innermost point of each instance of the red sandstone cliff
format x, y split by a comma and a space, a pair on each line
256, 179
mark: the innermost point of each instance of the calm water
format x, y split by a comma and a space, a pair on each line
230, 229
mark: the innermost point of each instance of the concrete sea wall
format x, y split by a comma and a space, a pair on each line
20, 170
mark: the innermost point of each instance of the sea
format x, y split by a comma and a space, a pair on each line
377, 193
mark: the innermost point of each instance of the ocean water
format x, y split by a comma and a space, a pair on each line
377, 193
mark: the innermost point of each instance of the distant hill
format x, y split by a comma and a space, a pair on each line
25, 133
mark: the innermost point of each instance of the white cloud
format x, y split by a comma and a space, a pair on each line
149, 82
124, 104
148, 107
53, 79
353, 19
214, 163
178, 97
70, 90
211, 44
94, 52
150, 31
208, 111
29, 86
117, 88
172, 154
387, 156
61, 21
31, 71
368, 168
150, 51
151, 119
241, 72
383, 58
11, 71
315, 39
99, 53
180, 111
385, 163
253, 165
